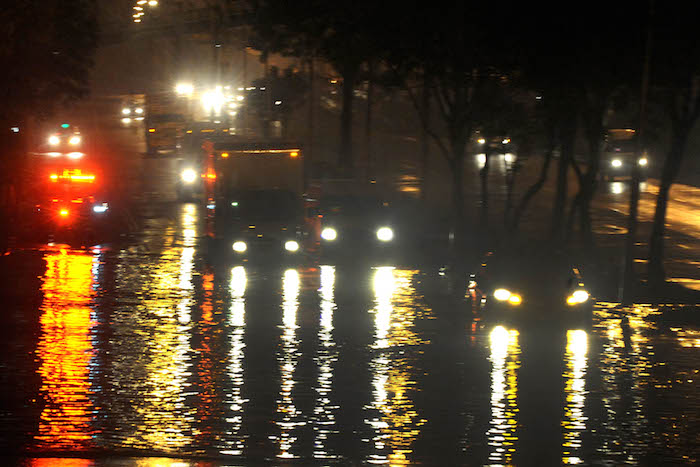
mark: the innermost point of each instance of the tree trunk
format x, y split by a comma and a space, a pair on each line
537, 186
568, 134
657, 273
346, 160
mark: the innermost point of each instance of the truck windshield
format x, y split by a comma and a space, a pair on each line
265, 205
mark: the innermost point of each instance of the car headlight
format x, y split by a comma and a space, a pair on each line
643, 161
385, 234
291, 246
329, 234
505, 140
189, 176
126, 111
616, 163
501, 294
54, 140
100, 208
74, 140
510, 158
481, 141
139, 110
515, 299
239, 247
579, 296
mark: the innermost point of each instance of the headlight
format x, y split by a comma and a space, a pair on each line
291, 246
501, 295
505, 140
189, 176
329, 234
54, 140
239, 247
100, 208
139, 110
510, 158
616, 163
579, 296
385, 234
74, 140
126, 111
515, 299
481, 141
643, 161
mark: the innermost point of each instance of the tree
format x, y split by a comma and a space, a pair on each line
675, 76
334, 31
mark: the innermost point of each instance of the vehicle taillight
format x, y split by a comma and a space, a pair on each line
151, 130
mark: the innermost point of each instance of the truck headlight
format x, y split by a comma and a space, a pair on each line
616, 163
126, 111
501, 294
54, 140
385, 234
481, 141
505, 140
643, 161
239, 247
189, 176
74, 140
291, 246
329, 234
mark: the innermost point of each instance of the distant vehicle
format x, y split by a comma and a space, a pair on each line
498, 146
191, 157
165, 123
132, 112
356, 224
255, 204
529, 284
66, 140
70, 201
619, 155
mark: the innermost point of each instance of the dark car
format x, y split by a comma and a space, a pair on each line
619, 158
529, 282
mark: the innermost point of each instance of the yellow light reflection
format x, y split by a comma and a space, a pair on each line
505, 363
235, 401
324, 416
154, 379
64, 351
574, 422
288, 414
397, 424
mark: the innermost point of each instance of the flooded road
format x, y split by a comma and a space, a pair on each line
158, 352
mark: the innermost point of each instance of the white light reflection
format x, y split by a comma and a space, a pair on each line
327, 356
188, 223
235, 400
288, 359
383, 289
574, 422
505, 362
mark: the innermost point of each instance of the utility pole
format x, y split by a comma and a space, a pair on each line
629, 279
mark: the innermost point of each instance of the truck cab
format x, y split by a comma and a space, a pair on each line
255, 200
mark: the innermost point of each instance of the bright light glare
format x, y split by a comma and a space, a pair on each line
579, 296
481, 158
189, 176
100, 208
515, 299
506, 141
152, 3
75, 155
385, 234
63, 212
184, 89
329, 234
74, 140
54, 140
501, 294
126, 111
616, 163
481, 141
213, 101
292, 246
643, 161
126, 120
138, 110
240, 247
510, 158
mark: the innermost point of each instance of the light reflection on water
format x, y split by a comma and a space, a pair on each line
394, 417
65, 351
288, 417
505, 363
574, 422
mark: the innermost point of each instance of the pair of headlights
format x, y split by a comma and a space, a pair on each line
55, 140
505, 295
384, 234
291, 246
617, 163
